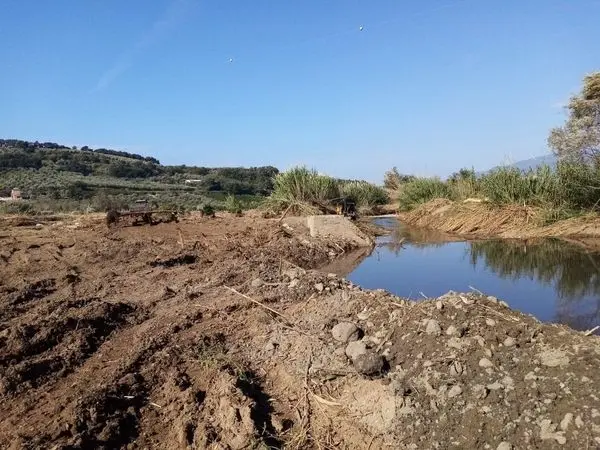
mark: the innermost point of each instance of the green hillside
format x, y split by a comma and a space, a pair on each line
59, 178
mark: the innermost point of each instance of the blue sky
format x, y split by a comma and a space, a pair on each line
427, 86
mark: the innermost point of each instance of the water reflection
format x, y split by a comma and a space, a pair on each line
551, 279
574, 273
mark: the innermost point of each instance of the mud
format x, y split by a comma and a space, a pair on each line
217, 334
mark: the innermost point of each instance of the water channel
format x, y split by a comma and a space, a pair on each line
550, 279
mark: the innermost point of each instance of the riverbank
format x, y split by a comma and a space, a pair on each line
217, 334
480, 220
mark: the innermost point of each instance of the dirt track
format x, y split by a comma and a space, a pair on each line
130, 338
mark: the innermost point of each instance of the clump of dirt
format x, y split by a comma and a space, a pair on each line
34, 353
176, 261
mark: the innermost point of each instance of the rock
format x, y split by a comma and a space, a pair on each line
548, 432
508, 382
456, 369
270, 346
319, 287
363, 315
554, 358
433, 327
455, 391
504, 446
490, 322
495, 386
492, 299
369, 363
294, 283
485, 363
579, 422
439, 305
355, 349
293, 273
345, 332
451, 330
564, 424
509, 342
480, 391
257, 282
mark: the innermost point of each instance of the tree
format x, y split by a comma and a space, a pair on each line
393, 179
579, 138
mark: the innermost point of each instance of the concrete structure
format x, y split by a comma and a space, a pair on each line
332, 226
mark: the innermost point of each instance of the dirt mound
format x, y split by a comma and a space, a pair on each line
485, 220
216, 333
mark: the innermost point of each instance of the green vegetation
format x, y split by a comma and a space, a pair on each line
307, 191
57, 178
422, 190
572, 188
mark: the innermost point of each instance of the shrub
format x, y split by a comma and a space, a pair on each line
233, 205
510, 185
364, 194
422, 190
579, 184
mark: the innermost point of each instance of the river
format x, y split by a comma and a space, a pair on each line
548, 278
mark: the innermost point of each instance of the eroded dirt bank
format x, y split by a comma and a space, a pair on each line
479, 220
213, 334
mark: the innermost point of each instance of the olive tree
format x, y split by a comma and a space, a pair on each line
579, 137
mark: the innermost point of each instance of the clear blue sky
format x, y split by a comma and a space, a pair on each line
428, 86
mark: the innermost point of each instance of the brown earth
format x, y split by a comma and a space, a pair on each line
215, 333
480, 220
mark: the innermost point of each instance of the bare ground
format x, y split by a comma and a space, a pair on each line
216, 334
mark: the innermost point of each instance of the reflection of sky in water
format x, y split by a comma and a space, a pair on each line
551, 280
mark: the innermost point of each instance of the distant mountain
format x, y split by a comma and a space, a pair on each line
527, 164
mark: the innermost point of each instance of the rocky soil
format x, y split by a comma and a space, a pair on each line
217, 334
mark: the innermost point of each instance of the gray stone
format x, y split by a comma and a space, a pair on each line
504, 446
564, 424
433, 327
455, 391
294, 283
554, 358
369, 363
319, 287
509, 342
355, 349
257, 282
451, 330
456, 369
345, 332
490, 322
485, 363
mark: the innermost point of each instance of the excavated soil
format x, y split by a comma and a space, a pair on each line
216, 334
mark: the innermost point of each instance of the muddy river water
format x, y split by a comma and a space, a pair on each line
550, 279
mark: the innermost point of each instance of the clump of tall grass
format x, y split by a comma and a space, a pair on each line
233, 204
365, 195
422, 190
305, 191
579, 184
509, 185
464, 184
300, 189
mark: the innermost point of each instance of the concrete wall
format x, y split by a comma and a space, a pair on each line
337, 227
